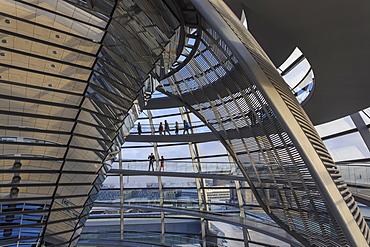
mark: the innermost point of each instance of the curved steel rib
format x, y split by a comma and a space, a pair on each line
231, 83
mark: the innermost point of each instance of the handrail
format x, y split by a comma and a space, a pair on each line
357, 175
222, 175
184, 167
146, 129
267, 228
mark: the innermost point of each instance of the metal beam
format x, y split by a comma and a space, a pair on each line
362, 128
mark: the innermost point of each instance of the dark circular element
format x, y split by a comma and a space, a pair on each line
14, 190
7, 21
50, 85
55, 52
7, 232
4, 41
17, 164
57, 36
53, 65
16, 179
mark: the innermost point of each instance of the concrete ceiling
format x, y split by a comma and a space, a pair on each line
335, 38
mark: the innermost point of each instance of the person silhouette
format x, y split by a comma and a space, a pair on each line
151, 158
176, 128
166, 127
139, 128
162, 163
186, 127
160, 128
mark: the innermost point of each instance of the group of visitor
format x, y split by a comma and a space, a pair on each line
151, 158
165, 128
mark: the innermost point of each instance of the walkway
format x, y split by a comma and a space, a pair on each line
199, 137
266, 228
220, 175
203, 134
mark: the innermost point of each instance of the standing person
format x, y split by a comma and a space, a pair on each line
252, 118
151, 158
186, 127
166, 127
176, 128
162, 163
160, 128
139, 128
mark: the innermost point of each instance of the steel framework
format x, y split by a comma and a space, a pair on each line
73, 79
230, 83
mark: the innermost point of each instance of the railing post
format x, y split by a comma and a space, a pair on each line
121, 195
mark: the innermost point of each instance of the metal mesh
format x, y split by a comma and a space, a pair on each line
68, 107
215, 86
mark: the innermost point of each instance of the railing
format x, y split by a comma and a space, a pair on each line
174, 166
355, 174
357, 177
146, 129
264, 226
146, 238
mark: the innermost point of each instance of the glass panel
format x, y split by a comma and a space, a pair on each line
335, 126
57, 152
73, 190
66, 8
77, 178
33, 137
81, 166
347, 147
81, 154
88, 143
41, 80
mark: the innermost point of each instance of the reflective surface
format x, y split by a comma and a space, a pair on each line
69, 75
73, 77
